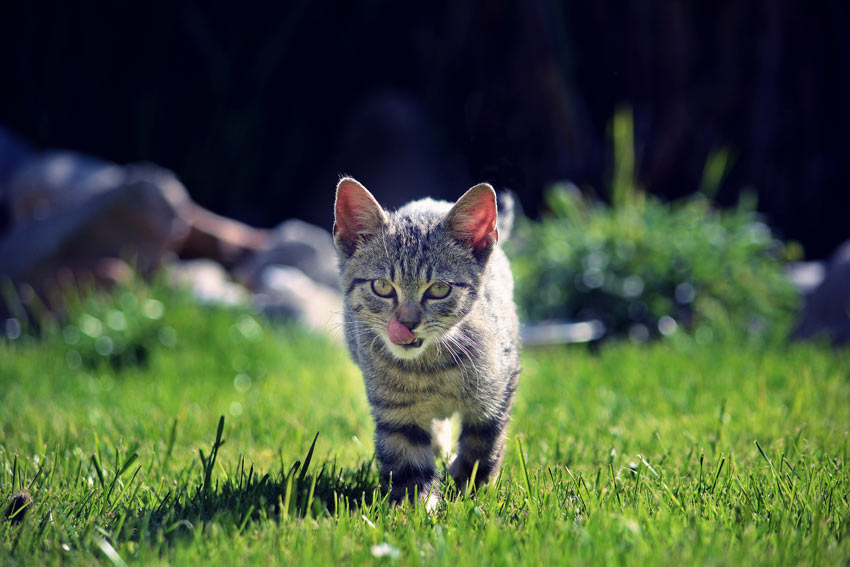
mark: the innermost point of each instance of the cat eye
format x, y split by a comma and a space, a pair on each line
438, 290
383, 288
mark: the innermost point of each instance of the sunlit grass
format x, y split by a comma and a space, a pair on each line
660, 454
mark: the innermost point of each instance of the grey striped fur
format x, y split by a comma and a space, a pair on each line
468, 363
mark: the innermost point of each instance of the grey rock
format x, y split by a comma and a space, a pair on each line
208, 281
58, 180
69, 211
287, 292
827, 307
806, 276
561, 332
135, 220
295, 243
224, 240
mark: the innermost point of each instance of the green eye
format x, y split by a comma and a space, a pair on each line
383, 288
438, 290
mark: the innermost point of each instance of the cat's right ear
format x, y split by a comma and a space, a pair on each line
357, 215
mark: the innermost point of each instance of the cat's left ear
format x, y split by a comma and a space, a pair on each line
472, 220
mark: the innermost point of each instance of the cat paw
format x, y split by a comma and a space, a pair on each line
461, 472
428, 496
432, 501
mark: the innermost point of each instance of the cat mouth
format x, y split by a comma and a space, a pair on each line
411, 345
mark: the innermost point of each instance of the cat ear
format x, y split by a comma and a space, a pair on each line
357, 215
472, 220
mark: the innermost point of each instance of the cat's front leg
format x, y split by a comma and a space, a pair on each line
406, 460
482, 442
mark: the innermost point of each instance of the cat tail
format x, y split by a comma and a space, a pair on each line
505, 222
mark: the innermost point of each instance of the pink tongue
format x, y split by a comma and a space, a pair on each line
399, 334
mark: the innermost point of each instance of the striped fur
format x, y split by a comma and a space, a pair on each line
468, 362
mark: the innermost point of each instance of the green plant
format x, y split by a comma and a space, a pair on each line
118, 328
647, 268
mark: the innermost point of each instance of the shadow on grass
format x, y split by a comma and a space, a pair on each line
120, 511
247, 496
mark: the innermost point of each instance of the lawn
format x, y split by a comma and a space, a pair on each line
673, 453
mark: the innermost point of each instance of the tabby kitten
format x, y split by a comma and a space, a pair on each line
430, 320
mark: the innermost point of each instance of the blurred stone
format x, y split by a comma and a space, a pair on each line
70, 214
138, 220
224, 240
208, 281
67, 210
827, 307
806, 276
73, 213
295, 243
113, 270
285, 291
19, 505
561, 332
58, 180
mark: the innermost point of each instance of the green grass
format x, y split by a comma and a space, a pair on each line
672, 453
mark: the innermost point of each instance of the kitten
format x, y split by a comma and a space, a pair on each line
430, 320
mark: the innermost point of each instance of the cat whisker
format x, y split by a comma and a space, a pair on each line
468, 339
462, 339
469, 342
451, 351
462, 348
372, 343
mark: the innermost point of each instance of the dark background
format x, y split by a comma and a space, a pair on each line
259, 108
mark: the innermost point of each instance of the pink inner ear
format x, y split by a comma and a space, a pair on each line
476, 221
357, 212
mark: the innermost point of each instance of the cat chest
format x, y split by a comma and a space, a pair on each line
411, 394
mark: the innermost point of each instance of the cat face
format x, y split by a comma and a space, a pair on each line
412, 276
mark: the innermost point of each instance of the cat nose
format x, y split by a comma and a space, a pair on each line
409, 316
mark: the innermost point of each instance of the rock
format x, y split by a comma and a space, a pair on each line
298, 244
806, 276
224, 240
136, 220
70, 210
827, 307
562, 332
58, 180
285, 291
69, 213
19, 505
208, 281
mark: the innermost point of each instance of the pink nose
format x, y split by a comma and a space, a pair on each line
399, 334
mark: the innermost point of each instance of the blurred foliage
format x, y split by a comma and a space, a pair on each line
646, 268
118, 328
